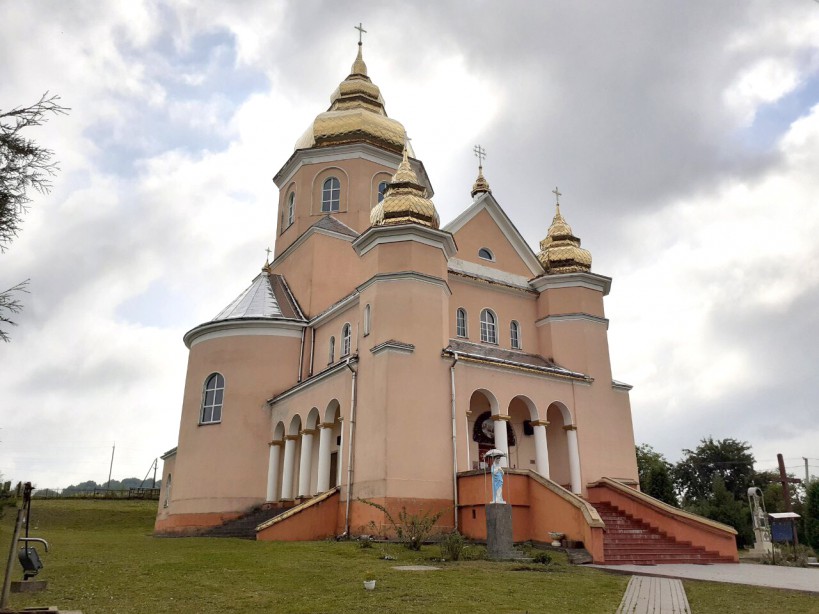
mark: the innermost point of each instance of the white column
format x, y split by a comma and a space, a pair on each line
574, 459
304, 463
325, 438
289, 466
541, 448
273, 470
501, 441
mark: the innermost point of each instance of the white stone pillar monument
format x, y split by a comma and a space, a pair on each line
541, 447
574, 458
273, 470
305, 461
289, 466
501, 441
325, 439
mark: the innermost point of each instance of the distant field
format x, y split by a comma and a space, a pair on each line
104, 560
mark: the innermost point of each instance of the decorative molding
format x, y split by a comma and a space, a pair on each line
308, 431
405, 276
543, 423
276, 442
570, 427
488, 202
251, 327
309, 383
590, 281
393, 346
169, 453
571, 317
379, 235
621, 386
335, 309
302, 238
501, 418
326, 425
488, 284
291, 437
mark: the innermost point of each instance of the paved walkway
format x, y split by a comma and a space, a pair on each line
648, 595
772, 576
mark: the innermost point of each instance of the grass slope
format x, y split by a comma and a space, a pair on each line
104, 560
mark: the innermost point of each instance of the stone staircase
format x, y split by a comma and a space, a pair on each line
243, 527
629, 541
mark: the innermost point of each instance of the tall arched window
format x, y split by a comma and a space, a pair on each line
212, 399
345, 340
366, 320
489, 330
167, 491
382, 189
332, 350
514, 334
291, 208
330, 195
460, 322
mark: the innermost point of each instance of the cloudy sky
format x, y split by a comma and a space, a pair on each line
683, 135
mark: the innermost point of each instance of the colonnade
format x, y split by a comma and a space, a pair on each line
306, 469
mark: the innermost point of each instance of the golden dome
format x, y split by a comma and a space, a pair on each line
405, 201
481, 184
560, 251
356, 114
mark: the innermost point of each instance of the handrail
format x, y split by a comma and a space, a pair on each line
298, 508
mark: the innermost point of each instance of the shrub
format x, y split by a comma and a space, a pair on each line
412, 530
452, 546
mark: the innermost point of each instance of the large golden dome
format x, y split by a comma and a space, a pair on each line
560, 251
405, 201
356, 114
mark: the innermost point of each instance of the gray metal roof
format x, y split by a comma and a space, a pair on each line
258, 301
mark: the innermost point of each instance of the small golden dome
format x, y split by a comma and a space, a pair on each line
405, 201
560, 251
356, 114
481, 184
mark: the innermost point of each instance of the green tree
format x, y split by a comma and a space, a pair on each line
24, 166
655, 474
811, 512
722, 506
729, 459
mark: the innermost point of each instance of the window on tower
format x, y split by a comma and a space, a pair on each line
332, 350
460, 322
291, 208
330, 195
345, 340
489, 330
212, 399
382, 189
514, 333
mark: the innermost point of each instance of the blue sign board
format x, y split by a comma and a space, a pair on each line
782, 531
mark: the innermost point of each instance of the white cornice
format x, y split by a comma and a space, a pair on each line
378, 235
303, 239
621, 385
569, 317
339, 367
591, 281
333, 310
351, 151
478, 363
487, 202
393, 346
487, 284
255, 327
404, 276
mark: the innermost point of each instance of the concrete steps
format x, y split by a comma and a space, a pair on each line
630, 541
243, 527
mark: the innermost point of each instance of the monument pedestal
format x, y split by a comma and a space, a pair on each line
499, 532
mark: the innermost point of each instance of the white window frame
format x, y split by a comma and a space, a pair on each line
488, 251
332, 350
461, 328
366, 320
291, 209
381, 192
489, 327
167, 491
210, 409
346, 339
328, 203
514, 335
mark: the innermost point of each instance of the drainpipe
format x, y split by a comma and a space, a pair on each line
312, 349
350, 449
454, 439
301, 355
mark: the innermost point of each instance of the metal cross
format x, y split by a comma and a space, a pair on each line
361, 31
480, 153
268, 253
557, 194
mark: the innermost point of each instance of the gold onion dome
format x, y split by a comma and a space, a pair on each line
481, 184
560, 251
405, 201
356, 114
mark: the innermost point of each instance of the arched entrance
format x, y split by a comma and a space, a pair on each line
484, 428
564, 459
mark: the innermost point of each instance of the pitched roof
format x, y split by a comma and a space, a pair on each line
267, 297
328, 222
493, 354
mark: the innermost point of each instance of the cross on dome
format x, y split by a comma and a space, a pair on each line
480, 153
481, 185
361, 31
557, 194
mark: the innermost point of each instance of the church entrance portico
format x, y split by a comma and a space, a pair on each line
563, 453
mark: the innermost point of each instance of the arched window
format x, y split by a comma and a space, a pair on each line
366, 320
489, 332
212, 399
332, 350
330, 195
167, 491
345, 340
382, 189
486, 254
460, 322
291, 208
514, 334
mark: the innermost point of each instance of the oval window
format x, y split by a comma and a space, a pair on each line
486, 254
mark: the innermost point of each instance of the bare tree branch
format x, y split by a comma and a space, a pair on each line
10, 304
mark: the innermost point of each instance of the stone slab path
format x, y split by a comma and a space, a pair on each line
650, 595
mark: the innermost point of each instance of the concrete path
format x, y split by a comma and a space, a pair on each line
772, 576
647, 595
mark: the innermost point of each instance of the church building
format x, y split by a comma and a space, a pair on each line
379, 355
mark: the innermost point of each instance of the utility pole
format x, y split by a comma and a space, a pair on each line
807, 474
111, 468
156, 462
785, 480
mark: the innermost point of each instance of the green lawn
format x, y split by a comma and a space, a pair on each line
104, 560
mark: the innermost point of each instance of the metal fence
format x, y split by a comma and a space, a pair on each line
97, 493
